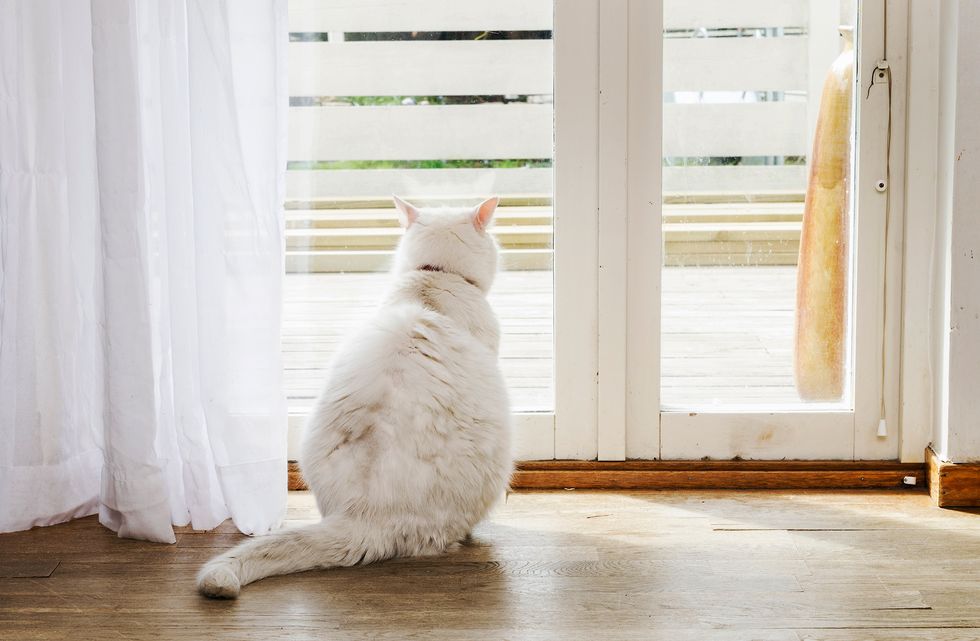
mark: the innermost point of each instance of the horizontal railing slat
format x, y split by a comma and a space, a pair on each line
500, 67
384, 215
712, 14
380, 260
354, 183
735, 129
735, 64
732, 181
404, 68
520, 15
486, 131
499, 131
419, 15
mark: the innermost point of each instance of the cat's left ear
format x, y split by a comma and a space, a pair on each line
407, 213
483, 213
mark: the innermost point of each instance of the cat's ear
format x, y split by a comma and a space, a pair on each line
407, 214
483, 213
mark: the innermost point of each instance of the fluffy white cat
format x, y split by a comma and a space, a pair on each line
408, 446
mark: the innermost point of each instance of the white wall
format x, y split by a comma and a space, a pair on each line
956, 252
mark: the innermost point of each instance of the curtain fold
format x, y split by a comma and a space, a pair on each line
142, 154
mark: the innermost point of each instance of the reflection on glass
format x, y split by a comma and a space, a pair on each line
380, 105
758, 206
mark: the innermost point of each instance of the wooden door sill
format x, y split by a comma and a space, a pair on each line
717, 475
705, 475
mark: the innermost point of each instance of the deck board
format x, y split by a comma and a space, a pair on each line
727, 333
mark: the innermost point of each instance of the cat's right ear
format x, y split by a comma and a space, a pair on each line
407, 214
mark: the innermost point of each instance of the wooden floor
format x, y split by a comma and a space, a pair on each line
727, 333
589, 566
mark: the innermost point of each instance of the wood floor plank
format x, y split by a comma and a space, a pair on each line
891, 634
27, 568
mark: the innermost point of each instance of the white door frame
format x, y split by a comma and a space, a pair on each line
828, 433
608, 254
576, 42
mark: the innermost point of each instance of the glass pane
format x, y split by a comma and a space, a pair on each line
441, 110
758, 153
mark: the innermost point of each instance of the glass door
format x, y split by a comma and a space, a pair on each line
441, 103
772, 231
693, 209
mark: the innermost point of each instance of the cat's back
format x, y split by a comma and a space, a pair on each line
414, 400
414, 367
431, 353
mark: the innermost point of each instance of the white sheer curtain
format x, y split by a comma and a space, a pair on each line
142, 150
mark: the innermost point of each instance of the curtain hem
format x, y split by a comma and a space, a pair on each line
255, 494
50, 494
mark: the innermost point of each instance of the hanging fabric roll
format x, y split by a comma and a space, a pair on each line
821, 291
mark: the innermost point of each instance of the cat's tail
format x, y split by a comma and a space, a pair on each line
333, 542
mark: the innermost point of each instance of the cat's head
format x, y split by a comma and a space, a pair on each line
450, 239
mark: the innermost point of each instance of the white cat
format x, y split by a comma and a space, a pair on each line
408, 446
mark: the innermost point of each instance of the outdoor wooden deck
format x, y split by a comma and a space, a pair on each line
727, 333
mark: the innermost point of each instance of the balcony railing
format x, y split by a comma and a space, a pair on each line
740, 103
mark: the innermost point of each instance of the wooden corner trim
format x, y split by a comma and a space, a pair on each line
952, 484
703, 475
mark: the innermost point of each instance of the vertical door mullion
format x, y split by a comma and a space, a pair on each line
575, 227
629, 236
612, 240
644, 229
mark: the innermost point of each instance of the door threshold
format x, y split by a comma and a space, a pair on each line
705, 475
718, 475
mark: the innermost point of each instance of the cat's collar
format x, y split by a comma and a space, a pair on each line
437, 268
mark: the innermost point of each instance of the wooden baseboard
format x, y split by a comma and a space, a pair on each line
704, 475
716, 475
953, 484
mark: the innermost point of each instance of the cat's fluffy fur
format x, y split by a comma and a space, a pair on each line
408, 445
